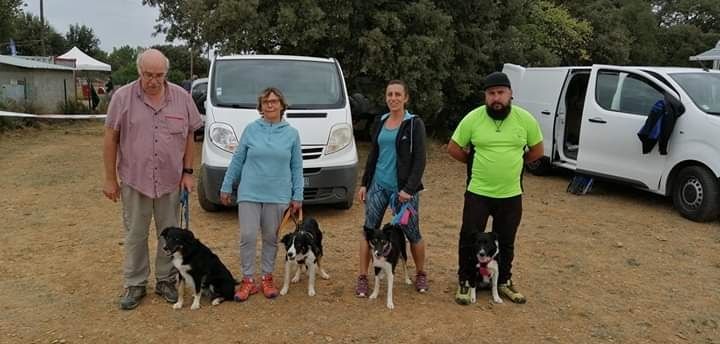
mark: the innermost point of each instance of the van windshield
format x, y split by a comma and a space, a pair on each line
305, 84
703, 88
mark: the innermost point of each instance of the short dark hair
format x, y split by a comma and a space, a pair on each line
266, 93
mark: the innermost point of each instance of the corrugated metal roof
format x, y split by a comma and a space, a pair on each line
25, 63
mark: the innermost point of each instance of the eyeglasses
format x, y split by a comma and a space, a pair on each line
271, 102
151, 76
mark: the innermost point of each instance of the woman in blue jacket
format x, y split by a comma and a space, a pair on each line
393, 177
268, 166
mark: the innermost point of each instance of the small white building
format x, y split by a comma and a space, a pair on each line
43, 85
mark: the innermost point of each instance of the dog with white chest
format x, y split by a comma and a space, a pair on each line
304, 251
198, 266
485, 248
388, 249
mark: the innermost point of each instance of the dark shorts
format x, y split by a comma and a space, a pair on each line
377, 201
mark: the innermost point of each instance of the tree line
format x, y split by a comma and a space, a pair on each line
443, 48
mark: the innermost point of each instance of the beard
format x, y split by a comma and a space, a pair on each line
498, 111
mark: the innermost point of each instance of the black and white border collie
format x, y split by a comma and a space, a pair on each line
388, 248
198, 266
304, 251
486, 250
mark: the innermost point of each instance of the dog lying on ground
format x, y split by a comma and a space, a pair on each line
388, 248
198, 266
304, 251
486, 250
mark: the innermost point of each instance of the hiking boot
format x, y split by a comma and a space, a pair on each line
462, 296
362, 287
268, 287
247, 288
421, 283
132, 296
508, 289
167, 290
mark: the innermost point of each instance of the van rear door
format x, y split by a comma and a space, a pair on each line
617, 104
538, 91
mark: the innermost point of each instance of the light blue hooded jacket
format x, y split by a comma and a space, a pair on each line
267, 164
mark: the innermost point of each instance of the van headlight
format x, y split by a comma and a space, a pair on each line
340, 136
223, 136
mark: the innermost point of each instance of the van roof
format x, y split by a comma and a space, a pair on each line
275, 57
664, 70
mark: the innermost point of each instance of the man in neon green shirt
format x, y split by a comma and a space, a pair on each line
496, 139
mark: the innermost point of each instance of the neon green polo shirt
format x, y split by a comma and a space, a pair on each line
499, 149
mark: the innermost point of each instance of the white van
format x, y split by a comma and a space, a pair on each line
318, 108
591, 116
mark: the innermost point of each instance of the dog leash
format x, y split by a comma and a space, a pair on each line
297, 219
185, 209
402, 217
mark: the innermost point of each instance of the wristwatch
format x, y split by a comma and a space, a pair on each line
188, 170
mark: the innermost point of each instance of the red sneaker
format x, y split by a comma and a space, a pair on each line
247, 288
267, 286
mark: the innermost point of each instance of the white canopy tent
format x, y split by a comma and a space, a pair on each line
710, 55
84, 62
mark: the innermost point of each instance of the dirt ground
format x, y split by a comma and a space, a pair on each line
614, 266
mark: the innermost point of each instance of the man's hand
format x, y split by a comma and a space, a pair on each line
362, 192
186, 182
225, 198
295, 206
112, 190
404, 196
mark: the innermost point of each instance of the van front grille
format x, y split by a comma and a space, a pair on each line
316, 193
312, 152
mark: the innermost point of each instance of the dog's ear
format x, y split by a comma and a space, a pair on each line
187, 235
165, 231
493, 236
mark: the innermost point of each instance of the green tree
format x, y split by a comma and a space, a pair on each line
179, 56
29, 29
84, 38
122, 61
11, 10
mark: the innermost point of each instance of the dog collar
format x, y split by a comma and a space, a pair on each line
483, 269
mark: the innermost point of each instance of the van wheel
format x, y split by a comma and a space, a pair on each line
539, 167
202, 198
695, 194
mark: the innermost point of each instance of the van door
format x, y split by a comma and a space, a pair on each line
616, 107
537, 90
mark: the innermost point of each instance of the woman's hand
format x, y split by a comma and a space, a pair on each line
225, 198
362, 192
404, 196
295, 206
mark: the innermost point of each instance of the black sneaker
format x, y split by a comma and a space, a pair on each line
511, 292
462, 296
132, 297
167, 290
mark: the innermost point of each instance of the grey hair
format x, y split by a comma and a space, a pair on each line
141, 55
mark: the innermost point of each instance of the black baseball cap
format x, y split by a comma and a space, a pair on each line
496, 79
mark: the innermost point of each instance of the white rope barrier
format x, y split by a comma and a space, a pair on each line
27, 115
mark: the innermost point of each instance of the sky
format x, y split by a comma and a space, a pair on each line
115, 22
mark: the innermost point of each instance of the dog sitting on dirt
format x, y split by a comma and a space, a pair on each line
485, 248
304, 251
198, 266
388, 249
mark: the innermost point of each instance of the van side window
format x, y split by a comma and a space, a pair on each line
626, 92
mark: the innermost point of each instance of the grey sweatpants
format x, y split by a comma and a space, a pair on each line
137, 212
254, 217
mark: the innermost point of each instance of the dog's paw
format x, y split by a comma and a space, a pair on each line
324, 275
216, 301
195, 306
373, 296
473, 300
177, 305
311, 292
390, 305
498, 300
408, 281
295, 279
283, 291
